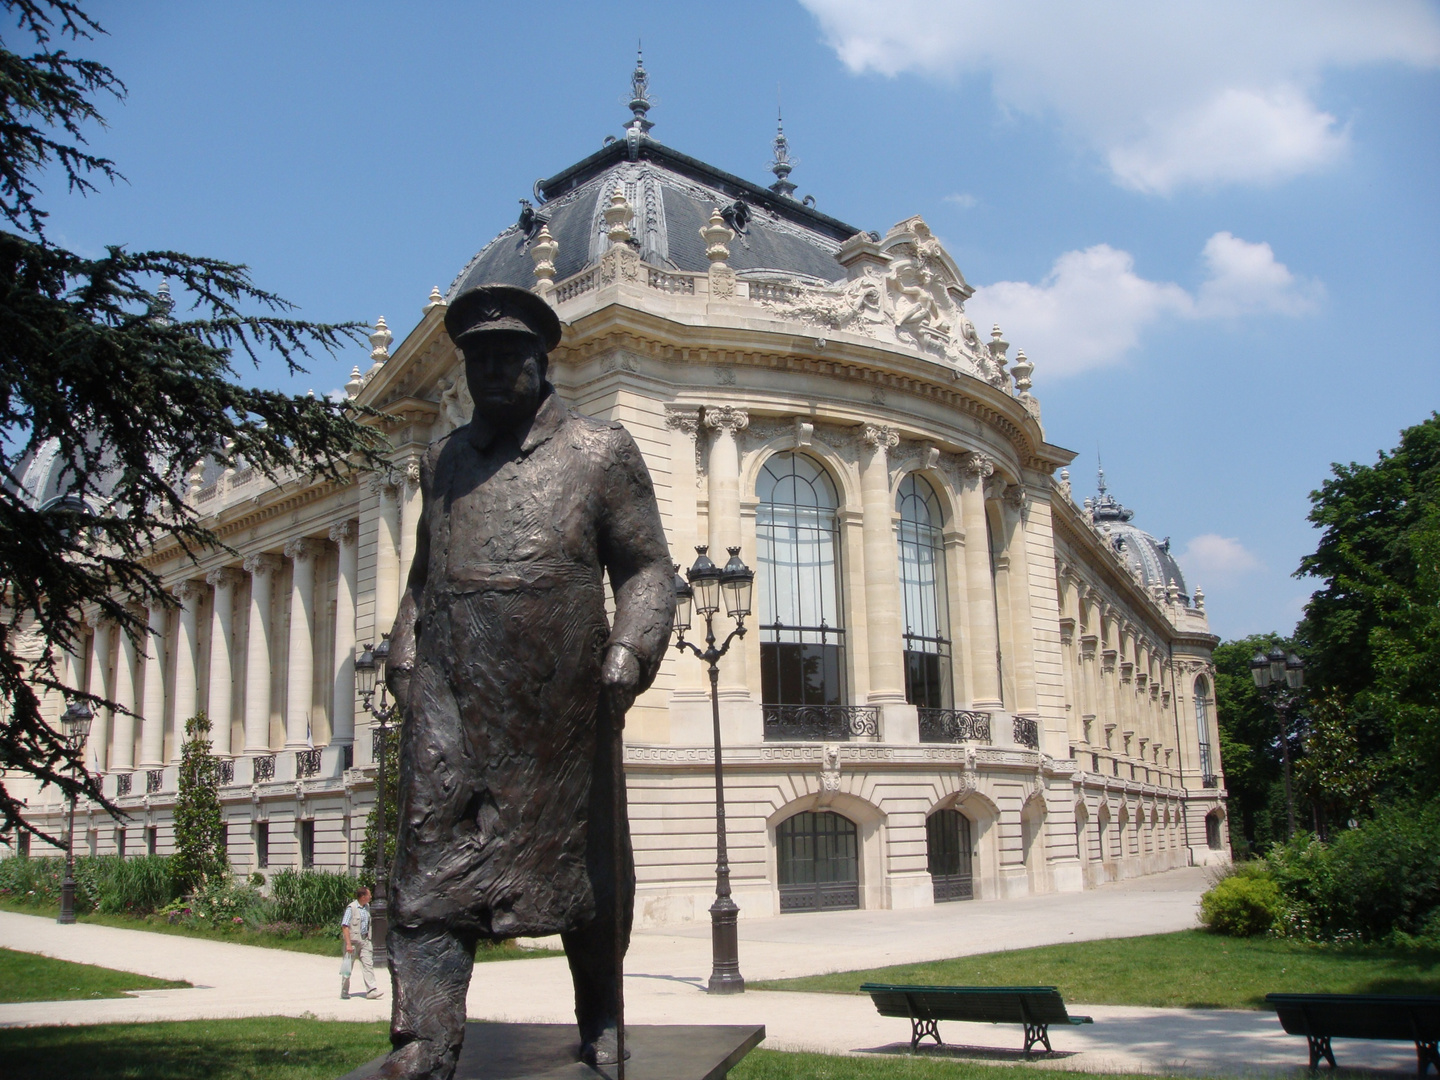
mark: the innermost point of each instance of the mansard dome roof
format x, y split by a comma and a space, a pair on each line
672, 195
1151, 557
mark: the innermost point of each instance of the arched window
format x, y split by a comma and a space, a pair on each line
949, 851
802, 639
1202, 731
817, 859
1213, 837
922, 590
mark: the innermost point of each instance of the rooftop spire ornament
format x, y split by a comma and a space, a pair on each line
640, 96
783, 163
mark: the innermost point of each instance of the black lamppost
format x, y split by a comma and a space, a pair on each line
370, 670
1281, 676
704, 589
76, 723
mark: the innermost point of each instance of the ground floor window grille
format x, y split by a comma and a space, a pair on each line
120, 842
949, 849
818, 862
307, 844
262, 844
152, 840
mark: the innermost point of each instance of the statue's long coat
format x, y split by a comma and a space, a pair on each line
506, 726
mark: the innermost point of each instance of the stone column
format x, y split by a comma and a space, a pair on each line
222, 653
300, 671
152, 725
882, 586
387, 558
262, 570
724, 480
984, 633
123, 755
1022, 631
187, 659
408, 494
1089, 666
342, 706
691, 682
97, 683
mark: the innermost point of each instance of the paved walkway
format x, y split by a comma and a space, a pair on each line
666, 972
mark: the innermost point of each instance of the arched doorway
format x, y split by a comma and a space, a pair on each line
817, 862
950, 849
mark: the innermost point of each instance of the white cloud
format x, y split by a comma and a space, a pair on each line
962, 199
1092, 308
338, 395
1170, 94
1212, 558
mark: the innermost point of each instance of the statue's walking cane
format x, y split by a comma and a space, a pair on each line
619, 826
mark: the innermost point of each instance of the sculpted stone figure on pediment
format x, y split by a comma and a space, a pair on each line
916, 298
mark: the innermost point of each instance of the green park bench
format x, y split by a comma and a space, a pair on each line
1036, 1007
1322, 1017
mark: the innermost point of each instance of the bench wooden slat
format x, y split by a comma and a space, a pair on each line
1036, 1007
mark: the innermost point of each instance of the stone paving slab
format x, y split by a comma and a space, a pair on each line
667, 970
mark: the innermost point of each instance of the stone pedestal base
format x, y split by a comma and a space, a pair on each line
549, 1052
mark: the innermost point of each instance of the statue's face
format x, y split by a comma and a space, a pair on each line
505, 373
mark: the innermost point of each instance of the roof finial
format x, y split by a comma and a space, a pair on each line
640, 95
783, 163
1100, 482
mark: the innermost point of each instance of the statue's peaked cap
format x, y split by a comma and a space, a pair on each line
489, 308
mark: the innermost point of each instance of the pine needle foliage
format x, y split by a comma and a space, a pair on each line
199, 857
99, 365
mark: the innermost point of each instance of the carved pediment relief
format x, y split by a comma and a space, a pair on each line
907, 289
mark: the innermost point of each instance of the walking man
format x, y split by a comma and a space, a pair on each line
355, 929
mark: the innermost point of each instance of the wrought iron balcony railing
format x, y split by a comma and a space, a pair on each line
1027, 732
264, 768
225, 768
1210, 780
820, 723
307, 763
954, 725
122, 784
154, 780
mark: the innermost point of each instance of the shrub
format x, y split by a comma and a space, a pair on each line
311, 898
199, 828
135, 886
1378, 882
1242, 905
107, 883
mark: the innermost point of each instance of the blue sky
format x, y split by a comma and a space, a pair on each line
1213, 228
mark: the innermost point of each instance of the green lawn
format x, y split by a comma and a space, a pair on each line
283, 1048
28, 977
1191, 969
316, 945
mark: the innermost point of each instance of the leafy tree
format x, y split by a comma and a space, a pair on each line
1373, 627
96, 364
199, 827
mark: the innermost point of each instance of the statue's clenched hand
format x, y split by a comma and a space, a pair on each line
618, 678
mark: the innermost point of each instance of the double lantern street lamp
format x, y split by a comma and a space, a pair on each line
370, 671
706, 585
76, 724
1280, 676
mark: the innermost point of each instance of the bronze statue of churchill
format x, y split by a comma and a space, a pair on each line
514, 686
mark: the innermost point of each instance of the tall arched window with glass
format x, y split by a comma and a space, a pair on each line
802, 637
1202, 731
928, 681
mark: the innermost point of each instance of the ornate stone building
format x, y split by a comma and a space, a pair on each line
959, 681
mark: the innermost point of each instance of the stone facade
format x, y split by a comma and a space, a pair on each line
1070, 715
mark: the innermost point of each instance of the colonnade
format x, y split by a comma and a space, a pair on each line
244, 642
1121, 684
